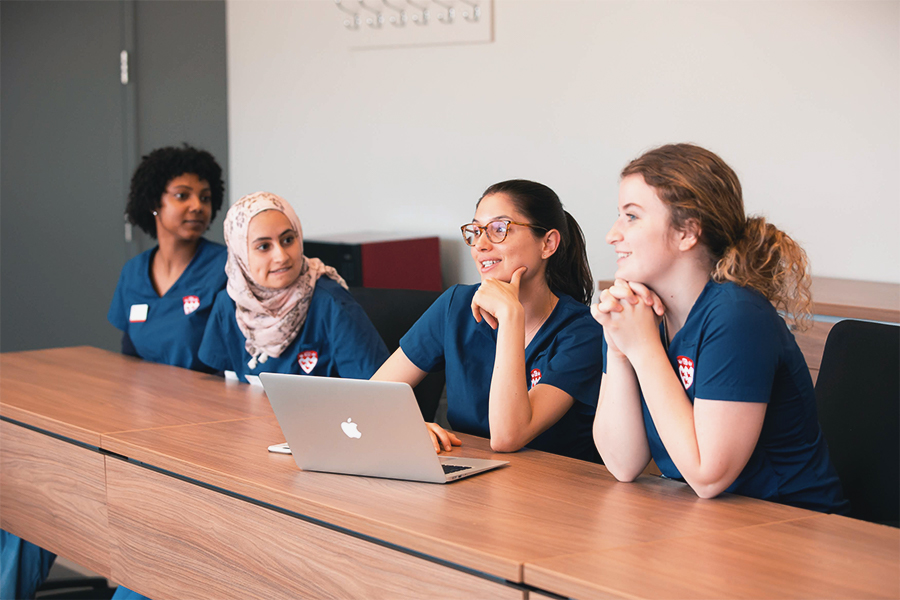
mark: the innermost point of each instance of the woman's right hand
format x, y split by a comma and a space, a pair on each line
441, 438
602, 313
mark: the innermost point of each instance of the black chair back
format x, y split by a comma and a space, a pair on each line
858, 397
393, 312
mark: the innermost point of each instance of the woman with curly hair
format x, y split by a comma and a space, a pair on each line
701, 372
165, 295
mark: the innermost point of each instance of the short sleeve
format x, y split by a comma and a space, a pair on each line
576, 364
214, 346
738, 353
358, 349
423, 344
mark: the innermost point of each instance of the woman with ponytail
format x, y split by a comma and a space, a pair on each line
520, 350
701, 372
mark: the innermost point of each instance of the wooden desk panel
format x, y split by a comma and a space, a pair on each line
869, 300
820, 556
540, 506
53, 494
532, 595
209, 545
81, 393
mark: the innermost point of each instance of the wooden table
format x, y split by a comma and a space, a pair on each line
159, 478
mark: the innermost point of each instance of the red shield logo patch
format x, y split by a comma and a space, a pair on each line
686, 371
191, 303
307, 360
535, 377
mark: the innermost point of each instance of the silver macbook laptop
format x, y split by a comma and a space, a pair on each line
360, 427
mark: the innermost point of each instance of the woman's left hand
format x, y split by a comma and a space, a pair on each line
636, 326
496, 301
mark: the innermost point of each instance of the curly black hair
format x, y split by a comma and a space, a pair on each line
159, 168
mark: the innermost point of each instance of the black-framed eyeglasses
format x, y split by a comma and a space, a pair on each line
496, 230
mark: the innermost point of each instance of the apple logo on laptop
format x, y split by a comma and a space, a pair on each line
350, 429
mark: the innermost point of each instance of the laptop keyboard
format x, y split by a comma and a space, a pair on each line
448, 469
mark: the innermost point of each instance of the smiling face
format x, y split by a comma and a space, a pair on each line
185, 209
274, 250
645, 242
520, 248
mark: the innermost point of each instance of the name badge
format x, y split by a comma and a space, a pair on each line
138, 313
253, 380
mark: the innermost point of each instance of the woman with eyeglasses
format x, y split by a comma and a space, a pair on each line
521, 352
282, 312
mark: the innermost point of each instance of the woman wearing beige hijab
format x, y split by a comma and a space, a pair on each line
282, 312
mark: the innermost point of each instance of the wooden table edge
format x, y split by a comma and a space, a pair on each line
321, 514
546, 578
49, 426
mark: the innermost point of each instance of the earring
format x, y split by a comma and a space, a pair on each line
154, 213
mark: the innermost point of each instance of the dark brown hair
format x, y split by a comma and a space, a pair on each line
697, 185
567, 270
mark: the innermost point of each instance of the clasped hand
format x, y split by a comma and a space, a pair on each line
495, 300
630, 314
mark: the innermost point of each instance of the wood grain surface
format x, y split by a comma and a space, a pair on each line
555, 523
821, 556
53, 493
541, 505
83, 392
853, 299
533, 595
175, 540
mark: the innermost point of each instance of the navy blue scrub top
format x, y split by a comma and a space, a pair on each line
736, 347
565, 353
173, 326
336, 340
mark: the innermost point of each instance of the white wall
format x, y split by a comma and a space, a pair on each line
801, 98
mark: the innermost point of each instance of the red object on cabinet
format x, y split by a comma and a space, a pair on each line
381, 260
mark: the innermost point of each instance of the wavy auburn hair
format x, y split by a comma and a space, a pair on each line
697, 185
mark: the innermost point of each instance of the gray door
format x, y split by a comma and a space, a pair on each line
62, 175
71, 135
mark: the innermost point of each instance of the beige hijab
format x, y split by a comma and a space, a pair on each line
269, 318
